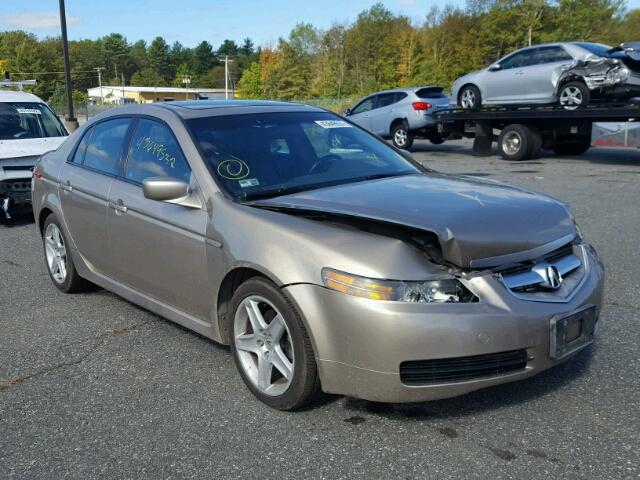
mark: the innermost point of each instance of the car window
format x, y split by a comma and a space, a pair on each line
104, 147
315, 149
23, 120
364, 106
385, 99
400, 96
544, 55
431, 92
517, 60
78, 156
154, 152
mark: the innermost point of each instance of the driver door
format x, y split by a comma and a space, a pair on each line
361, 113
506, 84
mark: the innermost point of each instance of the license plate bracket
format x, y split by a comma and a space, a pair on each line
570, 333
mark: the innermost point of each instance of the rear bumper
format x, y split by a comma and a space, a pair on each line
360, 343
15, 197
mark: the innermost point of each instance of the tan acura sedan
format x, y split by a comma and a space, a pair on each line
327, 259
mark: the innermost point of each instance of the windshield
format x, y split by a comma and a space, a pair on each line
596, 48
270, 154
28, 120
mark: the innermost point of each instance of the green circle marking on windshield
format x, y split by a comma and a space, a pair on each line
233, 169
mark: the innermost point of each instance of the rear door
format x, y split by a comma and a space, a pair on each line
158, 247
538, 77
86, 180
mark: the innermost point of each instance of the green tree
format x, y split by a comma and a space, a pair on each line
160, 60
250, 85
147, 77
204, 58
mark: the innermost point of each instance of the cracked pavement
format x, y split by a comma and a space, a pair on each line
92, 386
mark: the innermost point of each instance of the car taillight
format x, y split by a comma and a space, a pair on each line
421, 105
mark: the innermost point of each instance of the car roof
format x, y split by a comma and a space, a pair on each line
406, 89
7, 96
210, 108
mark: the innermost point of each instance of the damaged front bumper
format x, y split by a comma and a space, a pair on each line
362, 345
15, 186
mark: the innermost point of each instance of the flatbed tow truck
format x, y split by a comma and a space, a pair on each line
526, 129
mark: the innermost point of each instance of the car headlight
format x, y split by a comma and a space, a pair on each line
447, 290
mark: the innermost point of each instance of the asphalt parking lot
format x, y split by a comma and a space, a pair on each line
93, 387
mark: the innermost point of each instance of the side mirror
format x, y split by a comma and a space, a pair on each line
170, 190
347, 112
495, 67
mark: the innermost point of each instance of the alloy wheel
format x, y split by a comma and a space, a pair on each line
56, 253
400, 137
571, 98
264, 346
512, 143
468, 99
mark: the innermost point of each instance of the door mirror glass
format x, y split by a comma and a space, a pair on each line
495, 67
165, 189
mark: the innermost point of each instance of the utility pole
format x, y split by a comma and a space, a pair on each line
71, 121
99, 70
186, 80
226, 76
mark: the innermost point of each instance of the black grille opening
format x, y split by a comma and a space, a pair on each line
420, 372
521, 267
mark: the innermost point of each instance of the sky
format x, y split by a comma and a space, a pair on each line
191, 21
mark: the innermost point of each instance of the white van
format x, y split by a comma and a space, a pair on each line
28, 129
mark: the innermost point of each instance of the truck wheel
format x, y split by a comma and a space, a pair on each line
401, 136
435, 138
469, 98
574, 95
572, 147
536, 142
515, 142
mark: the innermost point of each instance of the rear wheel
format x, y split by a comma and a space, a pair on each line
470, 98
58, 257
573, 95
271, 347
515, 142
572, 147
401, 136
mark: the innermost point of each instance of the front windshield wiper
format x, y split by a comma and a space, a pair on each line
383, 175
276, 192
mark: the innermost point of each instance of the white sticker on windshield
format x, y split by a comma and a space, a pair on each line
32, 111
333, 124
249, 182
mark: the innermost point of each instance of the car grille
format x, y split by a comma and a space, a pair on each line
528, 280
422, 372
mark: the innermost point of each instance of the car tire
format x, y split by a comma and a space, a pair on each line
572, 147
470, 98
514, 142
573, 95
401, 136
435, 138
58, 259
264, 350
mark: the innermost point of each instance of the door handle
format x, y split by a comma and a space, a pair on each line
66, 186
118, 206
519, 72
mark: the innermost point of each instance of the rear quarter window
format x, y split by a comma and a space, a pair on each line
431, 93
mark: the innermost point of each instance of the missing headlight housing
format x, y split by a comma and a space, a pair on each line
446, 290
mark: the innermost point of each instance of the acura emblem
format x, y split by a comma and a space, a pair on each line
549, 275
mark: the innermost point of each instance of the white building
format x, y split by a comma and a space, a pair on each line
121, 95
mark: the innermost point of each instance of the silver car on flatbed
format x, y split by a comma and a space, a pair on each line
349, 269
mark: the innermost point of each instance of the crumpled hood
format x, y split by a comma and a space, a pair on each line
29, 147
473, 219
